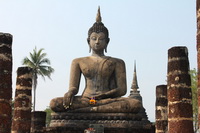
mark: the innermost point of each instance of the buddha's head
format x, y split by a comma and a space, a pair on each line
99, 29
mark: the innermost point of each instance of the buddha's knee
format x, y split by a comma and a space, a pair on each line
56, 104
135, 105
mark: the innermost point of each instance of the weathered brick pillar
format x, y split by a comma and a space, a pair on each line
22, 107
179, 92
198, 53
161, 109
38, 121
5, 82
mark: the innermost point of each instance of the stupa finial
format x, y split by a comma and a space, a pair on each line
134, 83
98, 18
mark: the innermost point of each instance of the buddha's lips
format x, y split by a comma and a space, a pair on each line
97, 45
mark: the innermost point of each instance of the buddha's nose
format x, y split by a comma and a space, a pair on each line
97, 41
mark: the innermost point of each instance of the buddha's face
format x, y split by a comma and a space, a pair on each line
98, 41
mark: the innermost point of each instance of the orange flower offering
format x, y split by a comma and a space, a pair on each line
93, 101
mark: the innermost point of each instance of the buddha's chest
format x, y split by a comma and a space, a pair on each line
98, 68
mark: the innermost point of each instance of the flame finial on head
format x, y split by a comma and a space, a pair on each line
98, 27
98, 18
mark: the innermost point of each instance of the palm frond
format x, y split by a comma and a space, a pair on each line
39, 54
42, 75
46, 71
45, 61
41, 57
26, 61
33, 57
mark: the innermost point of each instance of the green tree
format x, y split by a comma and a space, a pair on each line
48, 115
193, 74
40, 65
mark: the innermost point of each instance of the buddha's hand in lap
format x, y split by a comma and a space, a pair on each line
106, 95
101, 96
67, 100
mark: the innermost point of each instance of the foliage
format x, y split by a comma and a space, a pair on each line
40, 65
48, 117
193, 74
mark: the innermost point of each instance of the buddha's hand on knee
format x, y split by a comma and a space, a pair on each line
67, 100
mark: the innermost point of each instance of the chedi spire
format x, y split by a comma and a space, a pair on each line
135, 93
134, 85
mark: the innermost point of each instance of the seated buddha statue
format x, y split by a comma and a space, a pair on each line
105, 80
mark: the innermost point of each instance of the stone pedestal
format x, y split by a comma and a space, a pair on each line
112, 122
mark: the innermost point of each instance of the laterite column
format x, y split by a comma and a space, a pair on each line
5, 82
161, 109
38, 121
198, 53
22, 108
179, 92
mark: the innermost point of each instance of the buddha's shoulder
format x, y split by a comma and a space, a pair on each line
117, 60
81, 59
90, 58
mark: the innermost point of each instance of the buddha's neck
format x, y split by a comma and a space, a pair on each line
98, 54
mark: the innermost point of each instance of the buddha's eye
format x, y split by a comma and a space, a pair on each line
93, 38
101, 38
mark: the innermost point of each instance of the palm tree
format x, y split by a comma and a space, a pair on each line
40, 65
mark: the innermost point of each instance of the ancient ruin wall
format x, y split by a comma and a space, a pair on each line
198, 51
179, 92
161, 109
38, 121
22, 107
5, 82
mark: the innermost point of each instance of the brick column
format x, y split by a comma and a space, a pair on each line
38, 121
179, 92
198, 53
22, 108
161, 109
5, 82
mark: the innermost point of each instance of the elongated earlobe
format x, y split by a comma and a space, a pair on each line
88, 40
106, 46
89, 49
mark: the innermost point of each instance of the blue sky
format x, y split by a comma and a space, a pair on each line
141, 30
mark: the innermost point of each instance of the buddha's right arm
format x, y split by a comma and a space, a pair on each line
74, 82
75, 75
